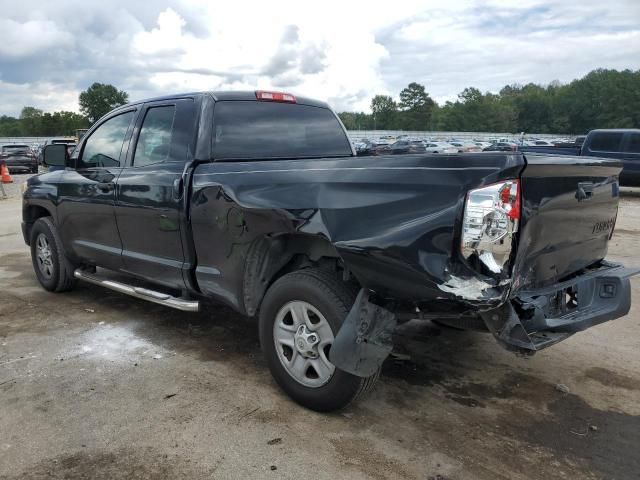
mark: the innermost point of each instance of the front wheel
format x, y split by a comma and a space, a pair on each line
299, 318
52, 267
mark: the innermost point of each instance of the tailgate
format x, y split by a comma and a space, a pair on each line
569, 210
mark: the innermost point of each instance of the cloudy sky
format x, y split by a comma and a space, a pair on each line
340, 51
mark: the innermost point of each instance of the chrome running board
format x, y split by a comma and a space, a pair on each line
139, 292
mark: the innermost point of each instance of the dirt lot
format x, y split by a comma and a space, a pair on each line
94, 384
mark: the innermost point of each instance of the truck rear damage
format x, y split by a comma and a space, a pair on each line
528, 261
560, 281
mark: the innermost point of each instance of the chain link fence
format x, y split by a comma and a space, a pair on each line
358, 135
27, 140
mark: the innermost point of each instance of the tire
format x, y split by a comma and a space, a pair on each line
328, 301
34, 170
46, 248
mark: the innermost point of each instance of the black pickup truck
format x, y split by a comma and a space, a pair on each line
622, 144
257, 200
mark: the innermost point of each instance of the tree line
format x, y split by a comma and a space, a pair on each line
601, 99
94, 102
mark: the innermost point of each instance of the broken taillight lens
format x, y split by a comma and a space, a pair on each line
491, 218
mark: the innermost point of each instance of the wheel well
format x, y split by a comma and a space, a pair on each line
271, 257
31, 214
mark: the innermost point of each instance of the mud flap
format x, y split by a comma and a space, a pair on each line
365, 338
506, 327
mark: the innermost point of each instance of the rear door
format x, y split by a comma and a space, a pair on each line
569, 210
86, 193
150, 192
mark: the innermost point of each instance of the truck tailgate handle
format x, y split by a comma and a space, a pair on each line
584, 191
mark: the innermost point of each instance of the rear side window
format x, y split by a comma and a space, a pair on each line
103, 147
154, 141
634, 143
606, 142
264, 130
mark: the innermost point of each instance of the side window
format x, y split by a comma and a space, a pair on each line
606, 142
103, 147
154, 141
634, 143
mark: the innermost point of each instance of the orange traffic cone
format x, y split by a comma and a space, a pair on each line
4, 172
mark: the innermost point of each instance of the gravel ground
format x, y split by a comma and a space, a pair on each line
14, 189
94, 384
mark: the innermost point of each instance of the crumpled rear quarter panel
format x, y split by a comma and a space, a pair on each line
392, 219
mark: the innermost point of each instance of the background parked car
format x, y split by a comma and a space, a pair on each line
501, 147
466, 147
543, 143
440, 147
19, 158
406, 146
372, 148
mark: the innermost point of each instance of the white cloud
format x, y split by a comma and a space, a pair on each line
166, 37
20, 39
343, 52
43, 95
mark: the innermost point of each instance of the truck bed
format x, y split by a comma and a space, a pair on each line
395, 220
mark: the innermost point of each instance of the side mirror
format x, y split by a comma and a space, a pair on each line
55, 155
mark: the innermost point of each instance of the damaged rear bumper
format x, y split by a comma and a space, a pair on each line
530, 321
537, 319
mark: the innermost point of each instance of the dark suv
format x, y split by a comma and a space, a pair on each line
19, 158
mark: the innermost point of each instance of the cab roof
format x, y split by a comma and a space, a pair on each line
220, 96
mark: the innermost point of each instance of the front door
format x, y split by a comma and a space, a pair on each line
150, 192
86, 194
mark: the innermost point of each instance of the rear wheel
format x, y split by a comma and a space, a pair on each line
52, 267
299, 318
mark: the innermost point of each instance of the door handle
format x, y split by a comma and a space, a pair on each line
105, 187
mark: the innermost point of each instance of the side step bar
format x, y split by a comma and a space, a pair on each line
139, 292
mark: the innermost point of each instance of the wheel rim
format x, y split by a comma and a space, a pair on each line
44, 256
302, 338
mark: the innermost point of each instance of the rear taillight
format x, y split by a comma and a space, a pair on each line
275, 97
491, 218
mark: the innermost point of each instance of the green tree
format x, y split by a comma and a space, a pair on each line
416, 107
601, 99
99, 99
349, 120
384, 110
475, 111
30, 121
9, 126
356, 120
